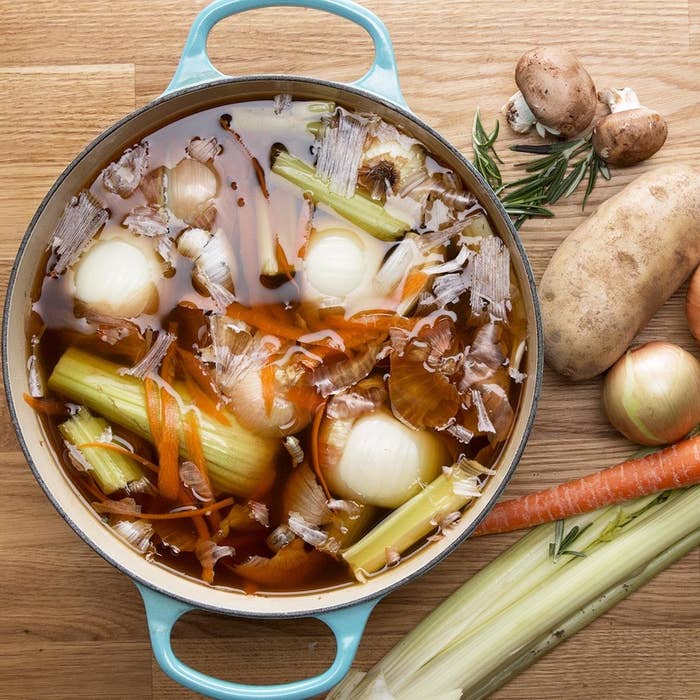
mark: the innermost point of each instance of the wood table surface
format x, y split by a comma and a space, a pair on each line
72, 626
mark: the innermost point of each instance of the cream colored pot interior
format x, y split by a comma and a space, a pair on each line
40, 452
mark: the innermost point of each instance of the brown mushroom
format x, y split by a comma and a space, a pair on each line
631, 132
556, 93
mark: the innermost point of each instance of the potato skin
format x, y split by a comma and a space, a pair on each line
615, 270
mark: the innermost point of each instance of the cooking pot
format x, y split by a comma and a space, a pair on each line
167, 594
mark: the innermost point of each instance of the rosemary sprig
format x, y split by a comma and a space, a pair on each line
555, 175
485, 157
562, 543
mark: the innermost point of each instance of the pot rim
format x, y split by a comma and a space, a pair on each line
527, 428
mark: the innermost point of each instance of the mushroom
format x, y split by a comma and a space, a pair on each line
556, 93
631, 132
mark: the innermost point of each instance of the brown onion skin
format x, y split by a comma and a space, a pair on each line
692, 305
657, 384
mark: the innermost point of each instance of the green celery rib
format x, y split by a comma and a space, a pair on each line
520, 569
359, 209
111, 470
405, 526
557, 599
583, 617
239, 462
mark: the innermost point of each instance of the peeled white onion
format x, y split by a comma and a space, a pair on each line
116, 277
191, 186
339, 268
652, 394
377, 460
335, 261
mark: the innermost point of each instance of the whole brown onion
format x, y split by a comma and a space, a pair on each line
652, 393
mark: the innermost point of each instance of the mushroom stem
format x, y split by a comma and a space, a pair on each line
518, 114
619, 100
631, 132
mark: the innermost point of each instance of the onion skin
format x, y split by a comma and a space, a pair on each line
692, 305
652, 394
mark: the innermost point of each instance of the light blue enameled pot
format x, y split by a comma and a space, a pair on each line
167, 594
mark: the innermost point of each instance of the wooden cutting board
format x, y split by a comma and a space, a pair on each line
72, 626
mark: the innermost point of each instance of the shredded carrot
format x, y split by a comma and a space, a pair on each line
201, 387
168, 447
194, 513
47, 406
123, 451
204, 403
153, 407
260, 318
414, 284
267, 377
193, 442
304, 397
315, 463
677, 466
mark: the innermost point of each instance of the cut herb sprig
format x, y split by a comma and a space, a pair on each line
485, 157
556, 174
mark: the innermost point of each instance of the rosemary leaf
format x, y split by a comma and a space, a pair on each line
485, 156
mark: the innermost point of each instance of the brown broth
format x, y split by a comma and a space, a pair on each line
60, 324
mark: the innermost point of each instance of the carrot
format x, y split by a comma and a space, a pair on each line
47, 406
677, 466
261, 318
315, 463
415, 281
193, 441
304, 397
161, 404
204, 403
153, 407
196, 512
123, 451
267, 378
200, 387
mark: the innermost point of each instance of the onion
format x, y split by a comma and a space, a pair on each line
377, 460
191, 186
116, 278
652, 394
339, 268
248, 404
692, 305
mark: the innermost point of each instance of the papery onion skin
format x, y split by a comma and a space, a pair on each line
652, 394
692, 305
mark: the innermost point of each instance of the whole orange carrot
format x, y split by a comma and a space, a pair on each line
676, 466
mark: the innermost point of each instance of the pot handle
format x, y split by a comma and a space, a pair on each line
162, 612
382, 78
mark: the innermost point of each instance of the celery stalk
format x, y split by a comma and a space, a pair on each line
571, 588
359, 209
111, 470
406, 525
523, 567
583, 617
239, 462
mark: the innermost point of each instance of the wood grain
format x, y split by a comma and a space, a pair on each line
71, 626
